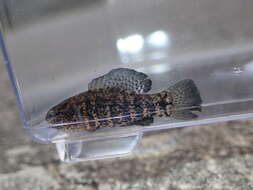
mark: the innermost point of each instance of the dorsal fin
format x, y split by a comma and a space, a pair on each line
123, 78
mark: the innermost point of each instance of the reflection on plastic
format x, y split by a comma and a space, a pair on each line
249, 66
131, 44
97, 149
237, 70
158, 39
160, 68
157, 55
138, 48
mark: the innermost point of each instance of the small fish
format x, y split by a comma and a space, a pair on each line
116, 100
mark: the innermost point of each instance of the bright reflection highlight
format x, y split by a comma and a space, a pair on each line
249, 66
161, 68
131, 44
157, 55
158, 39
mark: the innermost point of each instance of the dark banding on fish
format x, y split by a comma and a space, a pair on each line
120, 105
123, 78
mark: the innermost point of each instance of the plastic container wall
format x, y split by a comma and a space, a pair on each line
53, 49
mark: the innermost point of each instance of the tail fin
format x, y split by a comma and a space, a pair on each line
185, 99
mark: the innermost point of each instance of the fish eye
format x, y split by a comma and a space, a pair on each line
50, 114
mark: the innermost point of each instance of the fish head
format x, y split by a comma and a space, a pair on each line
61, 113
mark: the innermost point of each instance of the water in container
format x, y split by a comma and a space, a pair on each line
92, 76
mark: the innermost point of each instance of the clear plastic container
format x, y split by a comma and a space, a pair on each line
53, 49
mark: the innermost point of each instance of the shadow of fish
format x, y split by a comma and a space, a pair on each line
116, 100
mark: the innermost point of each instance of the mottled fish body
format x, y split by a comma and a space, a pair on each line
102, 108
116, 105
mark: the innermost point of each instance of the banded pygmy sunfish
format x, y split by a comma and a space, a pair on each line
118, 99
